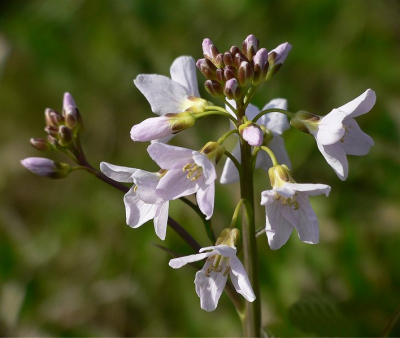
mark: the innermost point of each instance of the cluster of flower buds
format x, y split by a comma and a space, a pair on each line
62, 129
227, 73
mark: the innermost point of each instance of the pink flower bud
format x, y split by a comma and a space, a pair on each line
245, 73
209, 50
232, 89
46, 168
250, 46
280, 53
253, 135
207, 68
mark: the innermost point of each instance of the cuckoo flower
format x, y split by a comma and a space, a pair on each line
337, 133
276, 123
287, 207
188, 172
141, 202
221, 260
169, 97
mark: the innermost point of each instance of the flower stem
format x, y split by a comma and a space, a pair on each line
271, 155
273, 110
216, 112
226, 135
252, 318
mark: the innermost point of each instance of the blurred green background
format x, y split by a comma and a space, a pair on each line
70, 266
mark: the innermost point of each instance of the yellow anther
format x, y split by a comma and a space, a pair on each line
135, 188
194, 171
228, 268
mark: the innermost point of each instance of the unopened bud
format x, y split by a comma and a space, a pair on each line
53, 118
260, 61
276, 57
220, 75
229, 72
46, 168
232, 89
245, 74
279, 175
305, 121
65, 136
228, 59
250, 46
209, 50
252, 134
239, 58
214, 88
73, 119
51, 130
40, 144
218, 61
207, 68
213, 150
234, 50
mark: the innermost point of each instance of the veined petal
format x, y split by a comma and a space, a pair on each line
209, 172
183, 71
137, 212
146, 185
330, 128
230, 173
268, 197
355, 141
205, 199
336, 158
277, 228
170, 157
240, 279
161, 219
209, 288
303, 219
177, 263
309, 188
360, 105
151, 129
225, 250
117, 173
175, 184
164, 95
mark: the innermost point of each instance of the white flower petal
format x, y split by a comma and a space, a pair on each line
137, 212
230, 173
251, 111
277, 228
355, 141
330, 128
240, 279
209, 172
117, 173
161, 219
146, 185
170, 157
165, 139
205, 199
175, 184
183, 71
285, 191
268, 197
209, 288
277, 145
177, 263
164, 95
225, 250
336, 158
151, 129
309, 188
303, 219
360, 105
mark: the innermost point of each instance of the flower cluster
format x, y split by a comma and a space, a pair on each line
233, 76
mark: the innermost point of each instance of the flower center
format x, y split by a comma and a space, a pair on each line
291, 201
218, 265
194, 171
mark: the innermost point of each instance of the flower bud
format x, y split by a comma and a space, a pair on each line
232, 89
260, 61
229, 237
245, 74
276, 57
40, 144
209, 50
229, 73
250, 46
279, 175
228, 59
158, 127
73, 118
304, 121
207, 68
46, 168
220, 75
65, 136
52, 131
214, 88
53, 118
239, 58
213, 150
218, 61
252, 134
234, 50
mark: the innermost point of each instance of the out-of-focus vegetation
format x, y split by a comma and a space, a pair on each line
70, 266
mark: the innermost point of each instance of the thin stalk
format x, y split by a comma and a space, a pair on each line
252, 316
226, 135
271, 155
249, 95
230, 106
273, 110
234, 160
235, 214
216, 112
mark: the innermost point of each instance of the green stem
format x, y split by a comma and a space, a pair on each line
226, 135
230, 106
271, 155
216, 112
235, 161
273, 110
249, 95
235, 214
252, 316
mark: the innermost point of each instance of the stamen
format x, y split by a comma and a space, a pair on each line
194, 171
135, 188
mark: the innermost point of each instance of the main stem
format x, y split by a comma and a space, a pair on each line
252, 317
